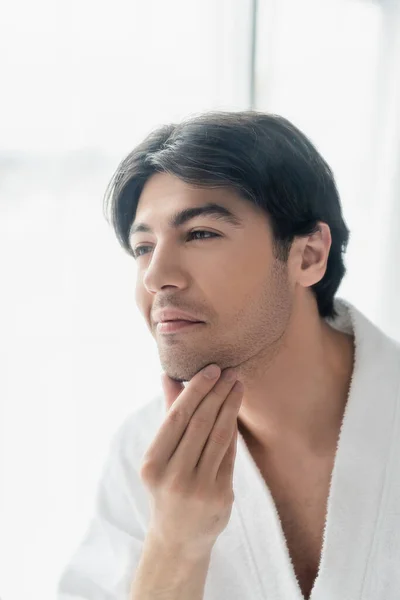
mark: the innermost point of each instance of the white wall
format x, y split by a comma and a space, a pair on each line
82, 83
333, 69
320, 70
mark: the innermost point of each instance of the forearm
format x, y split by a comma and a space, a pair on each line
169, 573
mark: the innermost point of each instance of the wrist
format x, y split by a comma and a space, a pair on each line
186, 552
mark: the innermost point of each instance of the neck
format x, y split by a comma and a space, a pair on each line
294, 399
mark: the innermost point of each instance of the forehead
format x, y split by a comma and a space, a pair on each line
163, 190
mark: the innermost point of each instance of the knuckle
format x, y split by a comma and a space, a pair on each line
202, 495
201, 384
148, 470
220, 392
177, 414
199, 421
221, 435
224, 500
229, 499
177, 486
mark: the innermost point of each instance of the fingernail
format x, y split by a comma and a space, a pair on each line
211, 372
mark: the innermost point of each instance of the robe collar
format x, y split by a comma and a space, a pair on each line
357, 483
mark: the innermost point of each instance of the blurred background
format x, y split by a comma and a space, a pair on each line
82, 82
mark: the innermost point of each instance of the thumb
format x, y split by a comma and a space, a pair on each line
171, 388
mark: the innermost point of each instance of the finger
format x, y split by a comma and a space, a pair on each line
178, 416
197, 388
201, 425
171, 389
215, 463
225, 473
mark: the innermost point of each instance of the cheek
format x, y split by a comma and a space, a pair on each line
237, 280
247, 267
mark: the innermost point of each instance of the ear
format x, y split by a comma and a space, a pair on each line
313, 253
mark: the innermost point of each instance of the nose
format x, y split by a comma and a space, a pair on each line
164, 269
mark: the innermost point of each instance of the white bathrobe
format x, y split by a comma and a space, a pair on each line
250, 560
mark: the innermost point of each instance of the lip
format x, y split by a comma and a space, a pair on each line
170, 314
177, 326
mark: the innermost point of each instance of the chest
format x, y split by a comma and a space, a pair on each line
300, 497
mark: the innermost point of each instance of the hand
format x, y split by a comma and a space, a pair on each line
188, 468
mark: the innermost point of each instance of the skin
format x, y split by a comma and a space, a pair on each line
261, 317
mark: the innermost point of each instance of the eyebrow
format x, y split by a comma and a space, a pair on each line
212, 209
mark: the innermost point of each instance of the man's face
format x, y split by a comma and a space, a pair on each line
232, 282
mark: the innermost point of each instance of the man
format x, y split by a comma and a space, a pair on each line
235, 219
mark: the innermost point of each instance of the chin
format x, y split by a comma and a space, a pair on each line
186, 377
181, 375
180, 379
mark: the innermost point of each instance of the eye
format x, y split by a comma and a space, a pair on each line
189, 237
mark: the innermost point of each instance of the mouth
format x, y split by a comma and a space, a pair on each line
178, 325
